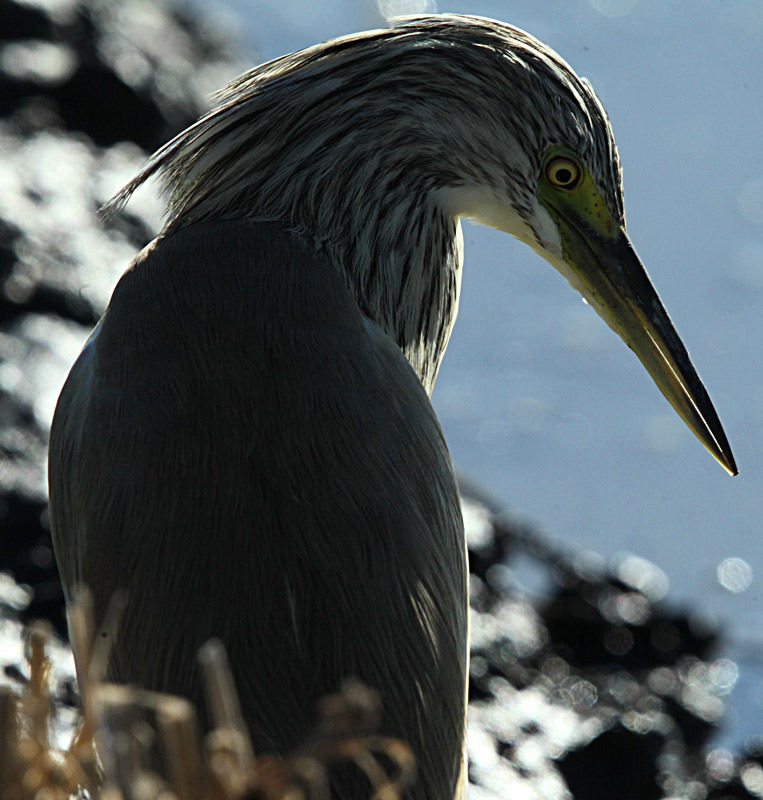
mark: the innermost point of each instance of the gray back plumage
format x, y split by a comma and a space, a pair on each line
356, 143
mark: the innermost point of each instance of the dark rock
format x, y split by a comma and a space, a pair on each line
618, 764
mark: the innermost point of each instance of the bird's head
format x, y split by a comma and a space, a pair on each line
376, 144
574, 221
557, 186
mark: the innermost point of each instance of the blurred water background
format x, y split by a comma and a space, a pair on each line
541, 404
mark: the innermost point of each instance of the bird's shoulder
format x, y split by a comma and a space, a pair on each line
204, 287
233, 354
239, 302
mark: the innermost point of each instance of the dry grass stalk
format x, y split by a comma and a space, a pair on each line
149, 743
180, 739
30, 769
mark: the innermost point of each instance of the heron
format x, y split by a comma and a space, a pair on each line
246, 443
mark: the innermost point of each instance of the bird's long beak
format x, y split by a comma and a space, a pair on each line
601, 263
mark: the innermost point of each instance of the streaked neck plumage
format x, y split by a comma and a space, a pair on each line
362, 143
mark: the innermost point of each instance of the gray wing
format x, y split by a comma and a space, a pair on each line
250, 458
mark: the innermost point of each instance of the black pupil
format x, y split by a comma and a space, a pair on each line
563, 175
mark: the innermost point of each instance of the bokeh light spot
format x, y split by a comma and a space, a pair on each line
724, 673
399, 8
734, 574
642, 575
720, 765
752, 778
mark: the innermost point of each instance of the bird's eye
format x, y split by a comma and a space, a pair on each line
563, 172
